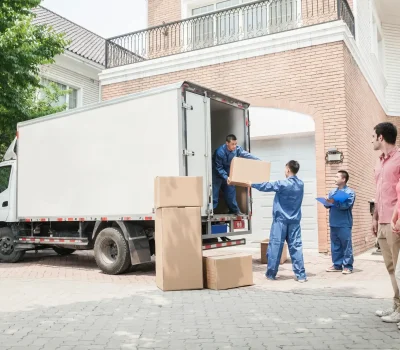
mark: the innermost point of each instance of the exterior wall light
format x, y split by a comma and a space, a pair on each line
333, 156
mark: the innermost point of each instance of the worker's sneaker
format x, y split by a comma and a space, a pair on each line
333, 269
303, 280
347, 271
387, 312
393, 318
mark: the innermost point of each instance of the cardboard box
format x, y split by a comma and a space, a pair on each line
249, 170
178, 191
227, 271
264, 247
178, 249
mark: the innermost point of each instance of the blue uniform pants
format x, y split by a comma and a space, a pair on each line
229, 194
341, 247
291, 233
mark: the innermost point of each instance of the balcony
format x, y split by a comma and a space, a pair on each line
235, 24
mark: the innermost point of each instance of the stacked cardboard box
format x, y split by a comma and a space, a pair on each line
178, 233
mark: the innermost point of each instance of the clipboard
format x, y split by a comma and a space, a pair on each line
324, 202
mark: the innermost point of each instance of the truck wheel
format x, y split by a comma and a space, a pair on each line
8, 254
111, 251
63, 251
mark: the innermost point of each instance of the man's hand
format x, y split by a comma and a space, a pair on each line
375, 227
228, 181
329, 200
396, 227
248, 184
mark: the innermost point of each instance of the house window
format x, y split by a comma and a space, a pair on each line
69, 99
255, 20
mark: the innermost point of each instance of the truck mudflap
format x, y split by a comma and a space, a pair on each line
138, 242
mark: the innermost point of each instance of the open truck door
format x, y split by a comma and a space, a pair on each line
197, 148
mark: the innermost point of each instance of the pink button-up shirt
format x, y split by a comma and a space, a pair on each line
387, 175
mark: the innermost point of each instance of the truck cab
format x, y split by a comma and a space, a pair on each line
8, 184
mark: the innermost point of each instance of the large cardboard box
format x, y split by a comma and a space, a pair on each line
249, 170
178, 191
178, 249
264, 247
225, 271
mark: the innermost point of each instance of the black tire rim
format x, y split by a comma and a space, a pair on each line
6, 245
109, 251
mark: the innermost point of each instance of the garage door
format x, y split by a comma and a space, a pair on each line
279, 151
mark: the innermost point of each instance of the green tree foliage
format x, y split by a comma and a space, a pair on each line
24, 47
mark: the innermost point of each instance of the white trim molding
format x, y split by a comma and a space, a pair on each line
79, 65
290, 40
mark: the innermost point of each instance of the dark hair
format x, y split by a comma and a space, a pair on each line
294, 166
345, 175
230, 138
388, 132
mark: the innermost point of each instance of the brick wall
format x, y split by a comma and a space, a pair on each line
363, 113
313, 11
327, 80
311, 76
159, 11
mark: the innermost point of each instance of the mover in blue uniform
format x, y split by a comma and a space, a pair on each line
341, 223
286, 221
221, 161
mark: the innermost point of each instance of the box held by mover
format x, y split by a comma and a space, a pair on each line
225, 271
178, 191
178, 249
249, 170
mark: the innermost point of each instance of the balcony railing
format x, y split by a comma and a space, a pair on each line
239, 23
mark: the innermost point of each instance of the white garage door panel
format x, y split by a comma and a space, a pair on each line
279, 152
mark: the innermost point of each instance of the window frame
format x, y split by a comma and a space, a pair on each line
68, 87
190, 6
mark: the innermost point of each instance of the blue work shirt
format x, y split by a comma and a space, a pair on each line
222, 159
288, 198
340, 215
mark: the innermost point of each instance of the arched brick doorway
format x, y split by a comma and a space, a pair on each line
319, 151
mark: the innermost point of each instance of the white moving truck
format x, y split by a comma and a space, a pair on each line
84, 179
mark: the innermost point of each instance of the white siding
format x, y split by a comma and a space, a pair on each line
364, 36
279, 152
392, 66
89, 89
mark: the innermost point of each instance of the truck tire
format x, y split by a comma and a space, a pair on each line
63, 251
111, 251
8, 254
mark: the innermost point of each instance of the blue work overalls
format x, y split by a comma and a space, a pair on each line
221, 161
341, 223
285, 225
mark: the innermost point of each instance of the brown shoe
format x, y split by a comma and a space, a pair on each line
333, 269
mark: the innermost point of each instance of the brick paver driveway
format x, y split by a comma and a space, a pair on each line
51, 302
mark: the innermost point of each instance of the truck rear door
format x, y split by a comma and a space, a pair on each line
197, 148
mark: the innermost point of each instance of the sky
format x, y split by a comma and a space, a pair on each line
104, 17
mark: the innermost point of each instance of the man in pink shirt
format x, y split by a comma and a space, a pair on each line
387, 175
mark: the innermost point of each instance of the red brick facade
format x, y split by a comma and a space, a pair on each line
323, 80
